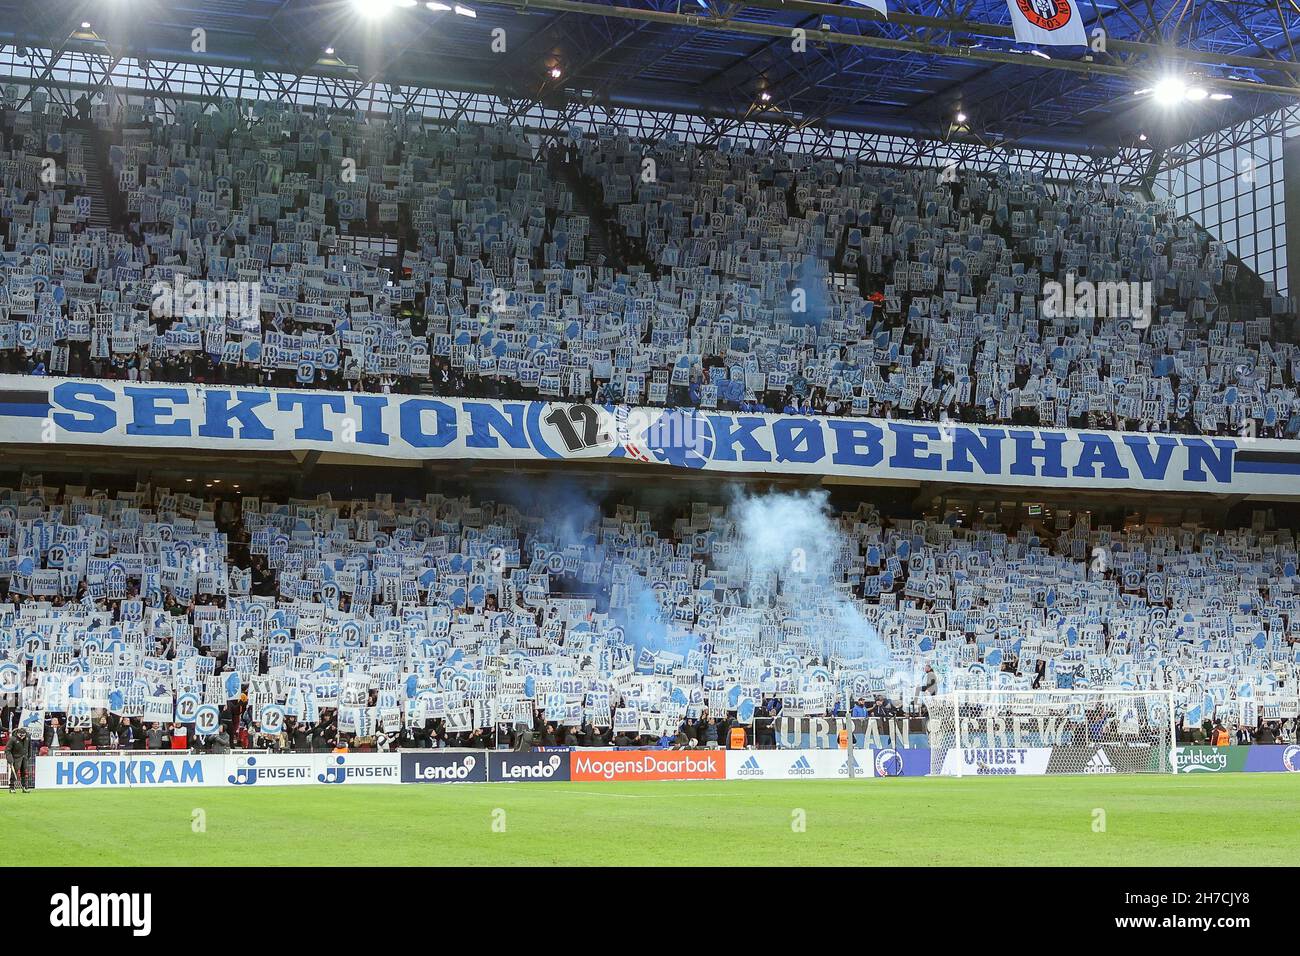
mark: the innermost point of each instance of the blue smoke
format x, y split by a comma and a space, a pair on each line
644, 625
567, 513
790, 542
813, 280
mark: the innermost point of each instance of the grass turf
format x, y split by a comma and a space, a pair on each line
1244, 819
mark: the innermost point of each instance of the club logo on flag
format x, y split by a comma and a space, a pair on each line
1046, 14
1047, 22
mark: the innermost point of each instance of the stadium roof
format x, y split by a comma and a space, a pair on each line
909, 76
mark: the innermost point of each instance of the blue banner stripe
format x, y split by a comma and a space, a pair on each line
24, 410
1265, 467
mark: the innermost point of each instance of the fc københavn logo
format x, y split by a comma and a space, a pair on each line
681, 437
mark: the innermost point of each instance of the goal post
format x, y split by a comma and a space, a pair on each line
1034, 732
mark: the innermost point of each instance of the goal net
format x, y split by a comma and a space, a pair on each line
1031, 732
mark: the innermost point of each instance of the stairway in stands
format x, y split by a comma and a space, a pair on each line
95, 158
598, 233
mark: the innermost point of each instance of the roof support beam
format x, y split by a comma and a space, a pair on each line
966, 27
1156, 53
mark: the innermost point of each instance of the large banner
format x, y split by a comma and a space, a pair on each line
997, 762
162, 769
1202, 760
1272, 758
820, 733
537, 766
594, 765
145, 769
433, 766
797, 764
118, 414
272, 769
888, 762
826, 764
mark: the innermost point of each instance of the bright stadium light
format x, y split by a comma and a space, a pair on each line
437, 7
464, 11
1172, 90
961, 117
377, 9
373, 9
1169, 91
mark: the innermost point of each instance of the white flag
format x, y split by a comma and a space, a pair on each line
877, 5
1048, 22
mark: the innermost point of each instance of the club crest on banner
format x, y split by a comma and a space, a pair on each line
1046, 14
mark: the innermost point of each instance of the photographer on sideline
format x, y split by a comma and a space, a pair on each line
18, 754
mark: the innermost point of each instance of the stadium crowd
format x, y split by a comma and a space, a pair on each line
470, 621
294, 249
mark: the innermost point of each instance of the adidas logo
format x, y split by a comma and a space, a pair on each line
750, 768
801, 768
1099, 763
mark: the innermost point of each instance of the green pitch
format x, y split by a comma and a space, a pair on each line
1247, 819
